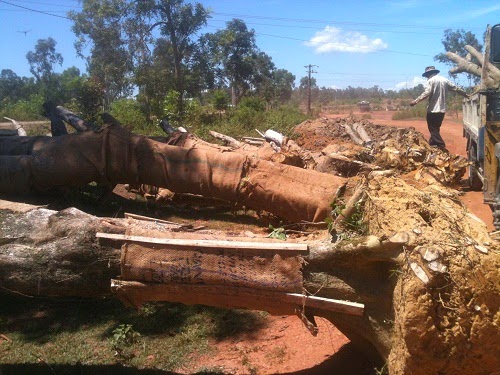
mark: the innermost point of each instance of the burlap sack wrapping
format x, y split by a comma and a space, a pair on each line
113, 155
231, 267
208, 173
275, 185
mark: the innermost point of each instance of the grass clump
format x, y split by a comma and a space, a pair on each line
84, 333
418, 111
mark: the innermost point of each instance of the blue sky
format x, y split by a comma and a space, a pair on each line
350, 43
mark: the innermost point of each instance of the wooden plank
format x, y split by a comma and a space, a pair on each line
254, 143
218, 244
136, 293
262, 140
329, 304
147, 218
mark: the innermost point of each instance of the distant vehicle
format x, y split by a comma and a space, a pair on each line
481, 124
364, 106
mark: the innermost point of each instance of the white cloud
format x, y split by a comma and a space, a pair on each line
332, 39
415, 81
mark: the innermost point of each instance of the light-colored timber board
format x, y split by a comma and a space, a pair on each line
217, 244
147, 218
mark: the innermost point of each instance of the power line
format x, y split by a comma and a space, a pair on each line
40, 3
336, 44
34, 10
365, 74
303, 20
316, 28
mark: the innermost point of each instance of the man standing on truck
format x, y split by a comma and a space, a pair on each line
436, 90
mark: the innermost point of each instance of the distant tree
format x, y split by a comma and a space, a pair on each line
42, 61
70, 83
220, 100
178, 23
455, 41
90, 98
233, 54
155, 78
304, 83
121, 34
11, 86
283, 84
101, 26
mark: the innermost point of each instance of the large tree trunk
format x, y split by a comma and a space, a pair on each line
57, 254
114, 155
427, 274
482, 67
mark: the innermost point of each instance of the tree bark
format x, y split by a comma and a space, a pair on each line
50, 253
113, 155
57, 254
420, 325
489, 73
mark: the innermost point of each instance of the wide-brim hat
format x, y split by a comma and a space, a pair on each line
430, 70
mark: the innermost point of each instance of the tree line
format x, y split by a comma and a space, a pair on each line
154, 50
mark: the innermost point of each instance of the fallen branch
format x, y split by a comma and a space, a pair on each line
58, 112
360, 130
354, 136
230, 141
20, 131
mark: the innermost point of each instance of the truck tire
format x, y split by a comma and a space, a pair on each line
475, 182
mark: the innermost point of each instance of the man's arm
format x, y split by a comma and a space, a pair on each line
457, 89
423, 96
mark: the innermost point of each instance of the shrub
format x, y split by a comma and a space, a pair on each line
220, 100
284, 119
245, 119
90, 98
412, 112
24, 110
170, 108
253, 103
129, 113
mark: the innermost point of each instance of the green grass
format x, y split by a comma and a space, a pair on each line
419, 111
82, 332
243, 122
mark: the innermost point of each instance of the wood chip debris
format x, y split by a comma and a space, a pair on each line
481, 249
437, 266
419, 272
430, 255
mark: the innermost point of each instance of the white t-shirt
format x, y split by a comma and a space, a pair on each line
436, 90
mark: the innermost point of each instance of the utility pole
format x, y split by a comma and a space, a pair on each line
309, 72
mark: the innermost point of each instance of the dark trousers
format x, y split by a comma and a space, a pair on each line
434, 121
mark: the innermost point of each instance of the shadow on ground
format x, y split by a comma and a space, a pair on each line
347, 361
